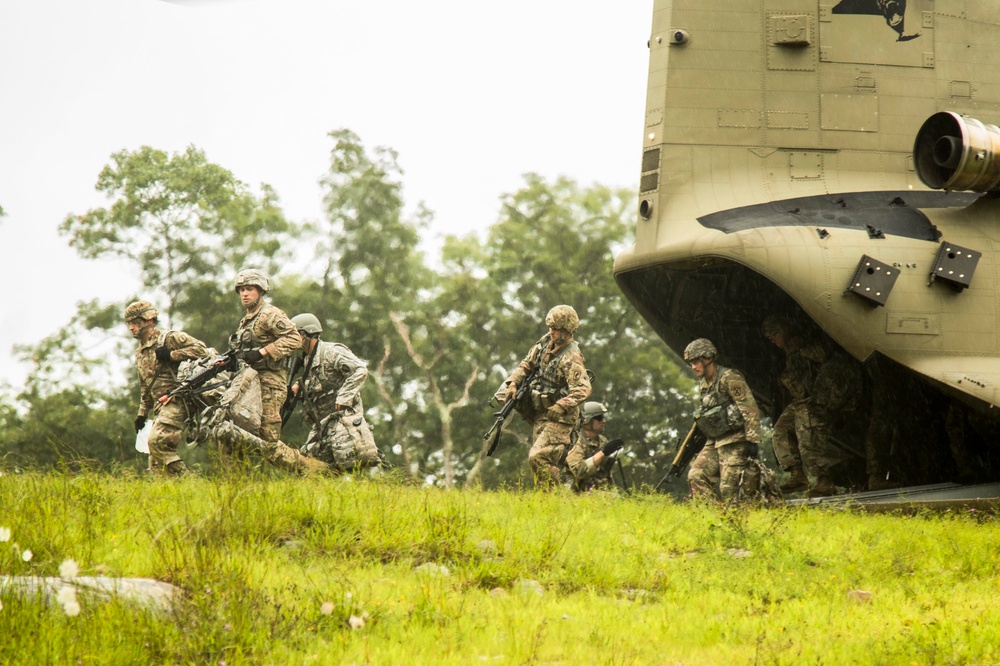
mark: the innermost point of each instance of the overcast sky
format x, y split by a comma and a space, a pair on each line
471, 95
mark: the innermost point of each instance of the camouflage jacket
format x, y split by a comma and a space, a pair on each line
802, 363
729, 385
587, 475
268, 329
156, 379
334, 377
569, 372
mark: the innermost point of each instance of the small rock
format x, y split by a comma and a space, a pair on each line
487, 547
530, 586
432, 569
153, 594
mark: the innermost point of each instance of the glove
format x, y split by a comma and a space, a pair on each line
140, 422
612, 446
252, 356
555, 413
511, 391
163, 354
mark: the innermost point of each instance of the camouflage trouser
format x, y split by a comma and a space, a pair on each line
801, 438
551, 439
166, 434
344, 443
234, 438
273, 393
731, 467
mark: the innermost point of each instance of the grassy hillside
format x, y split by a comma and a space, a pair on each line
337, 571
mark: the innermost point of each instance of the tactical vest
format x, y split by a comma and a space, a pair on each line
546, 386
718, 415
245, 338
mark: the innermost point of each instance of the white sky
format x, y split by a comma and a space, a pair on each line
471, 95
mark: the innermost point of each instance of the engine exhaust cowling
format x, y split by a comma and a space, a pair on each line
956, 152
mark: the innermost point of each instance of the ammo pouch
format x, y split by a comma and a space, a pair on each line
245, 340
720, 420
541, 401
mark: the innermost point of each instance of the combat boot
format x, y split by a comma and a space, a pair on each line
796, 482
823, 488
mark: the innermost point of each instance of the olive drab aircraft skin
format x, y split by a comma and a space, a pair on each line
832, 162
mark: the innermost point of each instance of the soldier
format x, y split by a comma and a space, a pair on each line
156, 359
330, 390
558, 388
817, 382
730, 421
590, 460
264, 338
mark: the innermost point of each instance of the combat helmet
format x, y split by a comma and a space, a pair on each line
776, 325
591, 410
307, 323
252, 277
140, 310
700, 348
563, 318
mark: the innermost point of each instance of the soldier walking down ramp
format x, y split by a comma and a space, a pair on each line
330, 391
730, 420
157, 360
559, 384
819, 383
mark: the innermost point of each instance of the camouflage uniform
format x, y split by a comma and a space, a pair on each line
819, 384
561, 383
801, 435
156, 379
334, 376
587, 475
728, 457
268, 328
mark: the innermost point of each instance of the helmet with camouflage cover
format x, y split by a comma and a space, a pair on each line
252, 277
307, 323
591, 410
563, 318
140, 310
700, 348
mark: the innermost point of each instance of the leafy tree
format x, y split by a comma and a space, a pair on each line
189, 225
365, 266
73, 406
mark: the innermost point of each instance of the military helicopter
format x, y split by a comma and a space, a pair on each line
834, 162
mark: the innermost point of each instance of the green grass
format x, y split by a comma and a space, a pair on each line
273, 570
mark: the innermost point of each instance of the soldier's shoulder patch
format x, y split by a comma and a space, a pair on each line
280, 322
737, 390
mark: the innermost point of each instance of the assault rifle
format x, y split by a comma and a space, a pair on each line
618, 461
196, 382
689, 448
500, 417
291, 398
